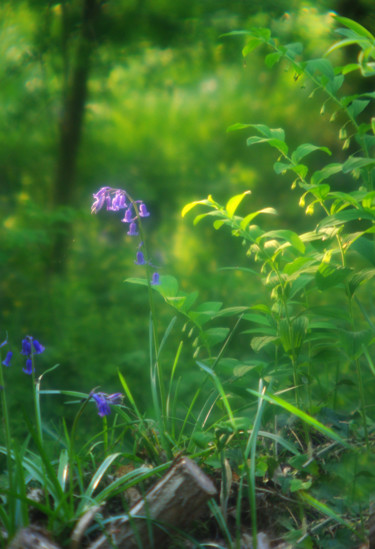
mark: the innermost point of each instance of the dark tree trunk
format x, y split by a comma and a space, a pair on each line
71, 130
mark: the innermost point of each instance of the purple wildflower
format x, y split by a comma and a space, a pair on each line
103, 401
8, 358
155, 279
39, 348
128, 217
132, 229
114, 199
29, 366
143, 210
99, 197
140, 259
3, 343
26, 345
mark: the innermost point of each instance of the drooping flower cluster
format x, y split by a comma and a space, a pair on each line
103, 402
117, 199
8, 358
30, 346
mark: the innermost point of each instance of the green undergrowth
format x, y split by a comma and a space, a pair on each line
285, 429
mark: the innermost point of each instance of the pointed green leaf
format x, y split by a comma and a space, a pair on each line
247, 220
305, 149
356, 27
359, 277
355, 162
328, 276
237, 126
289, 236
234, 202
274, 399
325, 173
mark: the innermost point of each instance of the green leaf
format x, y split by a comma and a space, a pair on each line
321, 65
356, 27
281, 167
357, 106
328, 276
276, 143
346, 215
272, 58
297, 484
213, 336
247, 220
324, 509
168, 286
250, 45
359, 277
257, 343
355, 162
99, 473
234, 202
305, 149
206, 202
237, 126
289, 236
274, 399
325, 173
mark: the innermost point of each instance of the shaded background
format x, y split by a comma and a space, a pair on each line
137, 94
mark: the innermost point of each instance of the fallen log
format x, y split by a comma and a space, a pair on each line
173, 502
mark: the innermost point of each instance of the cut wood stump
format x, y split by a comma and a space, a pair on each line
173, 502
32, 537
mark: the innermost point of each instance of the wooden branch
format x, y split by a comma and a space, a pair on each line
174, 502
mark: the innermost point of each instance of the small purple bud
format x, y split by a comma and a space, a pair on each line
3, 343
132, 229
29, 367
39, 348
143, 210
8, 358
26, 346
140, 259
155, 279
128, 216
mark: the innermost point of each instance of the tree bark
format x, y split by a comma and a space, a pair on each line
173, 502
70, 129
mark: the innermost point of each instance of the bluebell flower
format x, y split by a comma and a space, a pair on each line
128, 217
114, 199
26, 346
3, 343
7, 359
132, 229
100, 198
103, 401
29, 366
27, 349
140, 259
38, 347
143, 210
155, 279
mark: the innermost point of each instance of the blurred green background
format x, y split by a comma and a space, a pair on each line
137, 94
